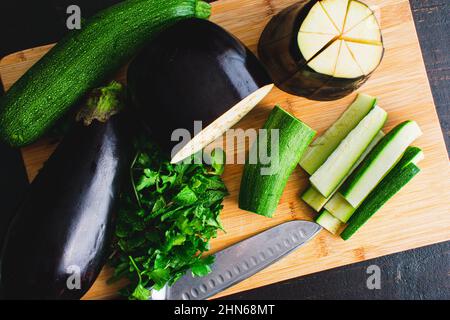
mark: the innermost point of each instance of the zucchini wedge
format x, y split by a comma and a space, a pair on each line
339, 207
321, 148
328, 177
316, 200
388, 187
329, 222
260, 191
382, 159
343, 210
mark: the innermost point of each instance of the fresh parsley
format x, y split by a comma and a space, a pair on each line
166, 220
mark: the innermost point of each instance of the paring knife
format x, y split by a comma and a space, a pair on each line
242, 260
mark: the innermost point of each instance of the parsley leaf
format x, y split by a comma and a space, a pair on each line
185, 197
165, 221
218, 161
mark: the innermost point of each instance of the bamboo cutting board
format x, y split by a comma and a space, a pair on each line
419, 215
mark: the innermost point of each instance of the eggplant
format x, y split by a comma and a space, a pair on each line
322, 50
194, 71
60, 236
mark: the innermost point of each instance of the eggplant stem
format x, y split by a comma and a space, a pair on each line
136, 268
102, 103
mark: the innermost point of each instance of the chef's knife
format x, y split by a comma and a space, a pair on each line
242, 260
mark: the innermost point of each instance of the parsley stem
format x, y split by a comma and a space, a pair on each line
133, 184
136, 268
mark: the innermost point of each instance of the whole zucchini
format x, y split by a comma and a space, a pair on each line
82, 61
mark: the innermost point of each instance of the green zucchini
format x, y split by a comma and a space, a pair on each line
329, 222
83, 60
379, 162
321, 148
339, 207
387, 188
336, 167
343, 210
261, 191
316, 200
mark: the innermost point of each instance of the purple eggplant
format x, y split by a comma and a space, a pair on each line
60, 237
194, 71
310, 50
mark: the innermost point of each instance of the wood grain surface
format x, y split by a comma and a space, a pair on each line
416, 217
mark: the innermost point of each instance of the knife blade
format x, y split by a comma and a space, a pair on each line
242, 260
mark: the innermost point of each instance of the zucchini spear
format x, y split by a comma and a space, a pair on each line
402, 173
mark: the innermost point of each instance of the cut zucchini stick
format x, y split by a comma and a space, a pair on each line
329, 222
411, 155
387, 188
336, 167
339, 207
343, 210
379, 162
316, 200
323, 146
261, 191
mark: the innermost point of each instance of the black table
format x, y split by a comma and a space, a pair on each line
415, 274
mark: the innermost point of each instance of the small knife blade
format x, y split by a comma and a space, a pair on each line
242, 260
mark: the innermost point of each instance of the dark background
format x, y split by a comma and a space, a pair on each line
416, 274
